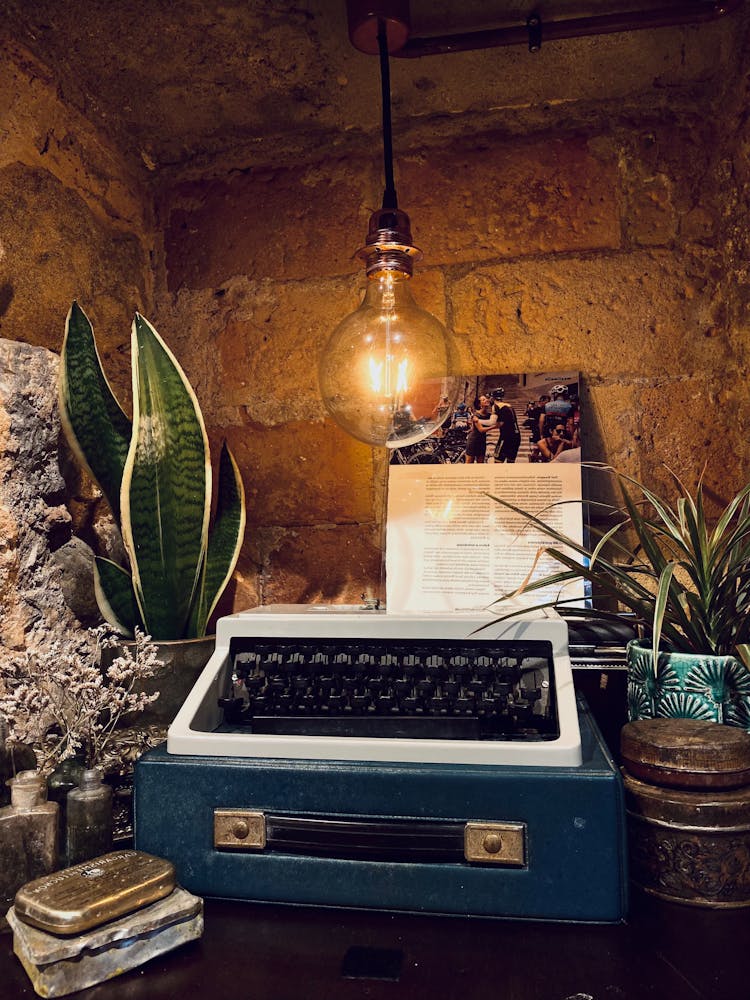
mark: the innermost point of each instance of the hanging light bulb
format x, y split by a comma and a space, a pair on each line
384, 373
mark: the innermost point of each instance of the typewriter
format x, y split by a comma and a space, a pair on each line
343, 683
351, 757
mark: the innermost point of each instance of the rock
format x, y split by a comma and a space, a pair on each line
75, 564
34, 522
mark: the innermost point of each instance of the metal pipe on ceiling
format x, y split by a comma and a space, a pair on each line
363, 18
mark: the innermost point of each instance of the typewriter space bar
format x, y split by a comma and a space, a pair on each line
415, 727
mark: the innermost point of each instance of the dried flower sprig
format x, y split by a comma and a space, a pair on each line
62, 703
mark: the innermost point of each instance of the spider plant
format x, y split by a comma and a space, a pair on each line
155, 473
687, 581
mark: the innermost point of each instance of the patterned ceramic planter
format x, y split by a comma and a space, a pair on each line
687, 686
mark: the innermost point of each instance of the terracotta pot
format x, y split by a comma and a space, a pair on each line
687, 686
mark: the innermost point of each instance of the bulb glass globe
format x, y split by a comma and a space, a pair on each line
384, 372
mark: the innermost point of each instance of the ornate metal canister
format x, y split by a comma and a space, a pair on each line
687, 793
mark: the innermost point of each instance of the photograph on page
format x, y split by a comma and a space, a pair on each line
450, 546
530, 418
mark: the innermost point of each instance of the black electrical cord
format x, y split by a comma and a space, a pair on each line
390, 199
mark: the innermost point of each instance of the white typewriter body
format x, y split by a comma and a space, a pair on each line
197, 729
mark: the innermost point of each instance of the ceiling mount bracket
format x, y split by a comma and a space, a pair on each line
534, 28
364, 15
365, 18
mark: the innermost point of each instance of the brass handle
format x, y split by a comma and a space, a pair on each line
500, 843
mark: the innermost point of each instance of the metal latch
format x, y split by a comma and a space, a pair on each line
239, 828
495, 843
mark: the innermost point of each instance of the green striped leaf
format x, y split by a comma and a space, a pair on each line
660, 605
166, 487
93, 421
114, 595
224, 541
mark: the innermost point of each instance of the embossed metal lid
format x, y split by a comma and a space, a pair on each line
94, 892
686, 753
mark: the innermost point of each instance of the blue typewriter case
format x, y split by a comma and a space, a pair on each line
334, 756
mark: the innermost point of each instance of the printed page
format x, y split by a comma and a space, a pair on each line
451, 547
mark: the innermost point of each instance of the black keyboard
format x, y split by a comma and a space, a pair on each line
420, 689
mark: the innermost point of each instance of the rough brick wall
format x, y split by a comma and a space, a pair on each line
616, 246
604, 249
73, 223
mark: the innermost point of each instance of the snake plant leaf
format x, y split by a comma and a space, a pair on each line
114, 595
94, 423
224, 540
166, 487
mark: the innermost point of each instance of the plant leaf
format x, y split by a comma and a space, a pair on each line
224, 541
166, 487
93, 421
114, 595
660, 604
691, 586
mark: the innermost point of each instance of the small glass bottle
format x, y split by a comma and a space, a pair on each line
89, 818
65, 777
28, 835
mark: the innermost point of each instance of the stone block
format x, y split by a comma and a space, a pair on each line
322, 565
695, 422
58, 966
294, 222
611, 416
42, 127
56, 250
652, 219
497, 199
641, 315
244, 589
469, 201
301, 473
661, 199
255, 345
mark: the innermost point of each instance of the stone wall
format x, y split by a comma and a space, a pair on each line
614, 245
73, 224
606, 248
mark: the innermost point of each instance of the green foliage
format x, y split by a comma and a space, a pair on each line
155, 472
686, 581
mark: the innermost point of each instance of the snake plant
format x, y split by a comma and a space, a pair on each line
155, 472
687, 581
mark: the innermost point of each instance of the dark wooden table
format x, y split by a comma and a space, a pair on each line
270, 952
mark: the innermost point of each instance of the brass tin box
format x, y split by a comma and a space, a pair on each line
94, 892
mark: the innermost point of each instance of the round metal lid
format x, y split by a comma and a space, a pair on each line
686, 753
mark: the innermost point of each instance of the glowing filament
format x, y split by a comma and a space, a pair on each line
376, 375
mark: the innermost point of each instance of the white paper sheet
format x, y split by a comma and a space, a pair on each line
450, 547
